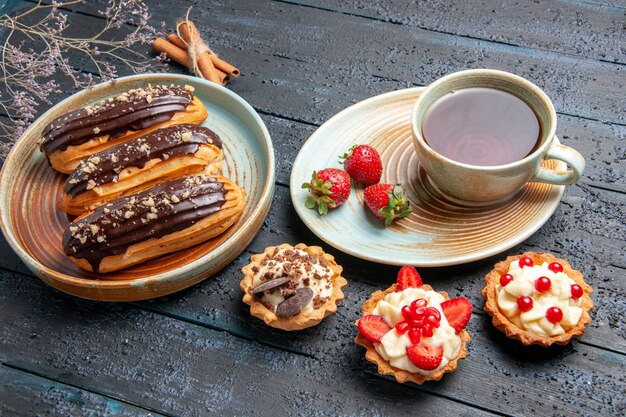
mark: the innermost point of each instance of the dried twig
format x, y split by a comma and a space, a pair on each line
26, 74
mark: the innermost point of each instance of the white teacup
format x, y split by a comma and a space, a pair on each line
478, 184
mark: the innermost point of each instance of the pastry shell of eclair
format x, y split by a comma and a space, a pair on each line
402, 376
202, 230
502, 323
207, 159
299, 321
67, 160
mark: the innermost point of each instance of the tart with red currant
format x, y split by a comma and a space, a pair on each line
292, 287
538, 299
412, 332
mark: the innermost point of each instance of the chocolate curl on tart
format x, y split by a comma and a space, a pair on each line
502, 323
130, 167
288, 315
168, 217
81, 133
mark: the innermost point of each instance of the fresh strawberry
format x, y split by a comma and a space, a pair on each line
329, 188
458, 312
425, 357
373, 327
363, 164
387, 201
408, 277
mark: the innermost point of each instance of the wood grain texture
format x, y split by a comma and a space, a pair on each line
22, 393
326, 56
493, 358
583, 29
181, 368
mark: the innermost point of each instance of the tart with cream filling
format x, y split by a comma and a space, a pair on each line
412, 332
292, 288
538, 299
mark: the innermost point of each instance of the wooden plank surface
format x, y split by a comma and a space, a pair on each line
326, 54
216, 304
195, 352
180, 368
583, 29
23, 393
328, 60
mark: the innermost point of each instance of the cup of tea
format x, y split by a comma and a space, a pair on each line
481, 135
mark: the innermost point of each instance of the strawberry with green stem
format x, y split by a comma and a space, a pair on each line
329, 188
363, 164
387, 201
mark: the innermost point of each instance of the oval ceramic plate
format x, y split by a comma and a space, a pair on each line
30, 191
438, 232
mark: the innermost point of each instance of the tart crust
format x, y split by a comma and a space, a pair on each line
502, 323
299, 321
384, 368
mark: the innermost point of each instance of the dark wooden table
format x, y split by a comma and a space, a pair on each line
199, 352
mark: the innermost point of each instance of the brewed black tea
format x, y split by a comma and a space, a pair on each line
481, 126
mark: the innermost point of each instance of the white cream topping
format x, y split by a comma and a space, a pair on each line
392, 346
308, 274
559, 295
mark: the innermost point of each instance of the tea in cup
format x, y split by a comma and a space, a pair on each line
481, 135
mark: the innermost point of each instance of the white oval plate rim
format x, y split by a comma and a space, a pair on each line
42, 270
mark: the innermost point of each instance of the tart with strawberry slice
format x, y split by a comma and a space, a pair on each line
538, 299
412, 332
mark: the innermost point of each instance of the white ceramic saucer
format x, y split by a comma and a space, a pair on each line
439, 231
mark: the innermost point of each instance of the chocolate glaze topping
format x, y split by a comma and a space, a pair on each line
133, 110
161, 210
165, 143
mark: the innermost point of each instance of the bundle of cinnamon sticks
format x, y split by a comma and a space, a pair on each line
187, 48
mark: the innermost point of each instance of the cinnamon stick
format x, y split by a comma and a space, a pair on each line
222, 76
173, 52
218, 63
177, 40
224, 66
180, 56
191, 35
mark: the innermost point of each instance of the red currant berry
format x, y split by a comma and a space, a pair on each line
407, 313
554, 315
427, 331
543, 284
577, 291
432, 311
420, 302
402, 327
525, 261
415, 335
432, 321
525, 303
555, 267
505, 279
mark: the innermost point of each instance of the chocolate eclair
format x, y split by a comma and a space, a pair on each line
171, 216
172, 152
74, 136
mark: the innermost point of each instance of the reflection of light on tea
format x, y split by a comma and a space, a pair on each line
481, 126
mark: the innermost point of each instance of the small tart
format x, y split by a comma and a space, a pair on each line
527, 337
401, 375
303, 262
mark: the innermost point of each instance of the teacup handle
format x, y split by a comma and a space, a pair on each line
566, 154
